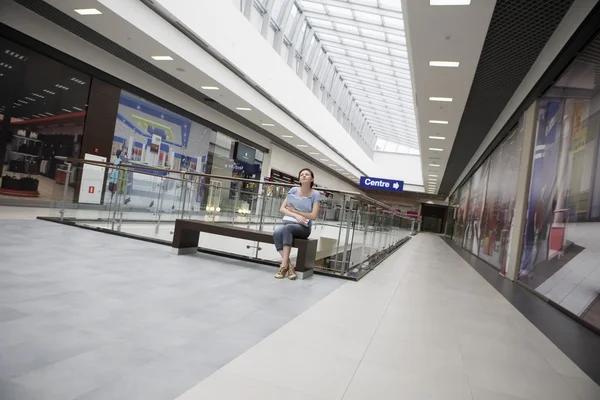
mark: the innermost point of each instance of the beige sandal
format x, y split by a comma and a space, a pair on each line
292, 272
281, 273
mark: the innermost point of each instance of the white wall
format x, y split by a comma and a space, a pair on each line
567, 27
406, 167
230, 34
281, 160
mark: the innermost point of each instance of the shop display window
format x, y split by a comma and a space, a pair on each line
560, 257
43, 106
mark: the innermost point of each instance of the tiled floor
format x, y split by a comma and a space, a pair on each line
576, 285
423, 325
86, 315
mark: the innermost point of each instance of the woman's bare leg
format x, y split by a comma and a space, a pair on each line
285, 255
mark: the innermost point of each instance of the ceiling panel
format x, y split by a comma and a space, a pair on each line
366, 42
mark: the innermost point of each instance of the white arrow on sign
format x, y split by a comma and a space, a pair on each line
396, 185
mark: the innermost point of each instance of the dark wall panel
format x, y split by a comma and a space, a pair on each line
101, 119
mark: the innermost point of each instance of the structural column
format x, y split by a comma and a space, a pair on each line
515, 247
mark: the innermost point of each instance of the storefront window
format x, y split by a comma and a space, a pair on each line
561, 256
461, 216
42, 111
500, 197
147, 135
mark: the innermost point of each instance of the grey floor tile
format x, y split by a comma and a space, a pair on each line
9, 314
85, 372
160, 380
97, 316
45, 349
12, 391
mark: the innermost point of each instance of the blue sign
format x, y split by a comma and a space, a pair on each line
368, 182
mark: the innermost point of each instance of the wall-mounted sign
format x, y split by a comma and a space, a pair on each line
368, 182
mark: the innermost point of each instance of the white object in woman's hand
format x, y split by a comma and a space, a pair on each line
301, 220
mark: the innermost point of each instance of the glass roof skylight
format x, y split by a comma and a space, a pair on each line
366, 43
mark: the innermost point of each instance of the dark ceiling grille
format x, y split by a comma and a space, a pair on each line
591, 54
517, 34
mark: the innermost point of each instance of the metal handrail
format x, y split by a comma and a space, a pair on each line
79, 161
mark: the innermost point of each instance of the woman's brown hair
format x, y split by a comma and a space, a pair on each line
312, 175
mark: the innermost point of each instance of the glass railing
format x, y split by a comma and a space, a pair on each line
354, 231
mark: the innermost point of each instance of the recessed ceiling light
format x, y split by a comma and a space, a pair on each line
267, 124
87, 11
434, 176
209, 87
163, 58
434, 165
449, 2
77, 108
314, 153
444, 99
435, 149
302, 145
243, 109
444, 64
437, 137
64, 109
435, 121
287, 136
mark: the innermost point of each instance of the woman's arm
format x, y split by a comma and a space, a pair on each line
294, 214
311, 215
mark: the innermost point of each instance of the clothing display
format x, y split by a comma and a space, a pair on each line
20, 184
24, 166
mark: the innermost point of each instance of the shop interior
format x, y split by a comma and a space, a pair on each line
42, 112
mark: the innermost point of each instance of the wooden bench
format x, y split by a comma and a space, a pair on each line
187, 235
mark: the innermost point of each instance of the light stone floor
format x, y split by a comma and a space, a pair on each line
424, 325
86, 315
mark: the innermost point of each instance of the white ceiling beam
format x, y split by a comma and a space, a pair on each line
396, 136
349, 69
395, 115
353, 22
395, 127
367, 62
351, 47
372, 82
383, 92
366, 39
360, 7
396, 140
381, 102
392, 124
369, 53
370, 107
371, 68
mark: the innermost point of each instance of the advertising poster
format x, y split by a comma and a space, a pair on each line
500, 200
155, 145
475, 211
461, 217
542, 192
